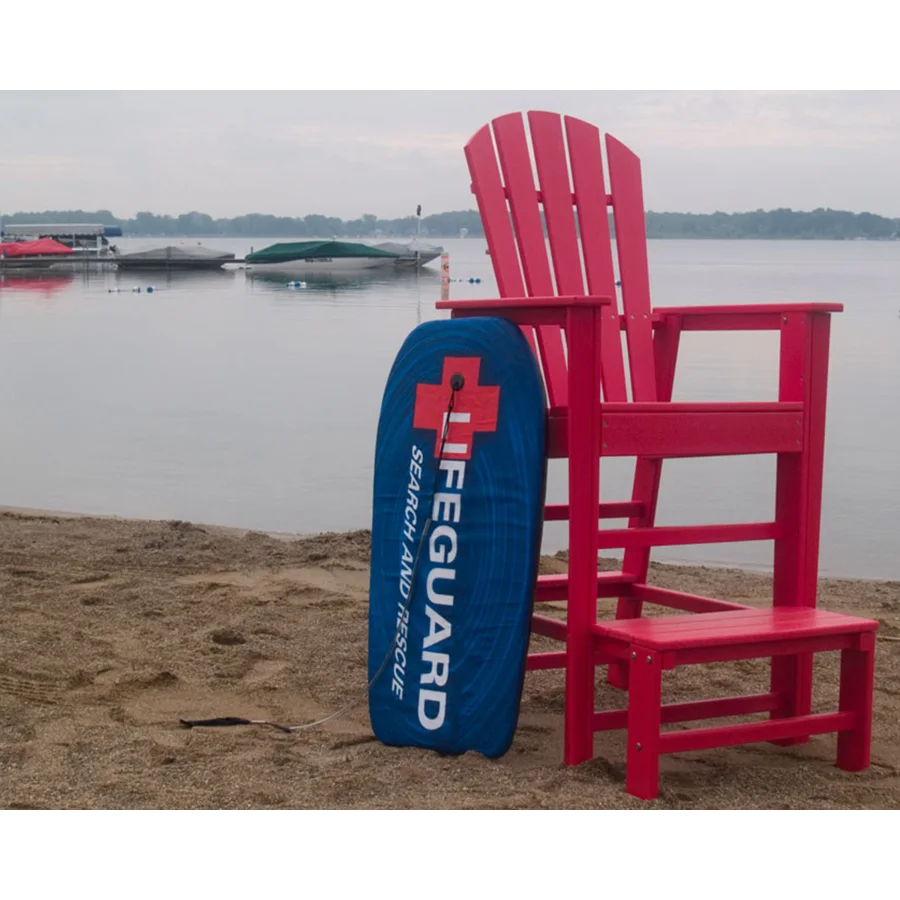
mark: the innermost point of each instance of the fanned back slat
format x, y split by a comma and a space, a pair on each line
631, 243
515, 162
593, 220
556, 191
491, 198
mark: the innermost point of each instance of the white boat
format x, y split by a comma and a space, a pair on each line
306, 257
175, 257
319, 264
412, 254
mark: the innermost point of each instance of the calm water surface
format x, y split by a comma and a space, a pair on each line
236, 400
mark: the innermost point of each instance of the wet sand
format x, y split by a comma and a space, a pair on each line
113, 630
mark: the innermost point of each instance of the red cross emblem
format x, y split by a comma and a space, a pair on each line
474, 408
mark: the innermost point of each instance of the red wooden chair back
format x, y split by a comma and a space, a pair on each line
572, 191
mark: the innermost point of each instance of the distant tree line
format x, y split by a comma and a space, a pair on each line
776, 224
819, 224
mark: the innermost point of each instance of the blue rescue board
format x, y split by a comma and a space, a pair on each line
462, 613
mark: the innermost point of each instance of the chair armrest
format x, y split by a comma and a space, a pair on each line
526, 310
579, 300
742, 317
749, 309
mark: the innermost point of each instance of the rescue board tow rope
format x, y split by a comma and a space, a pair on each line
456, 384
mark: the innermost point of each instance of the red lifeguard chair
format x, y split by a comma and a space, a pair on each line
562, 292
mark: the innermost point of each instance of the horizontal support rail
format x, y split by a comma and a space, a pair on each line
699, 406
610, 720
735, 322
557, 660
770, 321
678, 535
547, 627
752, 732
537, 661
551, 310
559, 512
671, 430
692, 603
760, 649
556, 587
539, 196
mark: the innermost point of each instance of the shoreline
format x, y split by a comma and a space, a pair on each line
114, 629
40, 513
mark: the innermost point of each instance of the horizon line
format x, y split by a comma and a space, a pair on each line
717, 212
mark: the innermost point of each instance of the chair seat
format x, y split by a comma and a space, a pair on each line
717, 629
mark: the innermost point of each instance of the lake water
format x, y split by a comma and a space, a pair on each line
235, 400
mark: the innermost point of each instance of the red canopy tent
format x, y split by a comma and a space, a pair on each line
43, 247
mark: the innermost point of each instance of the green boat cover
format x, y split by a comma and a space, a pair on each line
314, 250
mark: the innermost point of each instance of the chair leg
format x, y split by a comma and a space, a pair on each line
644, 710
792, 679
583, 342
857, 685
798, 494
579, 703
646, 485
637, 559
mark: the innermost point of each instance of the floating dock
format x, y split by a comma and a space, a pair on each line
17, 264
89, 262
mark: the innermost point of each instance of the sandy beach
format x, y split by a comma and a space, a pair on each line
113, 630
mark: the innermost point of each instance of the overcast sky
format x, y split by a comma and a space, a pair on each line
347, 153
